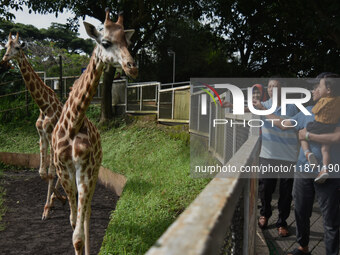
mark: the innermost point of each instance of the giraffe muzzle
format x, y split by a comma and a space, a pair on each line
131, 69
131, 65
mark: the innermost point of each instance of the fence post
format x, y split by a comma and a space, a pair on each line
65, 88
126, 96
141, 98
61, 77
158, 99
172, 104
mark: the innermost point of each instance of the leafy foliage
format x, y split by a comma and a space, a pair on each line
246, 37
59, 35
5, 5
45, 56
43, 48
280, 37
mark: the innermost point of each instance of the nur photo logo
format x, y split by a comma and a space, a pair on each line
239, 99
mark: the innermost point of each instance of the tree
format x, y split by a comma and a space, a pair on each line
287, 37
65, 38
59, 34
45, 56
5, 6
146, 17
43, 50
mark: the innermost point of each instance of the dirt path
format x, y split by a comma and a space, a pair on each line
26, 233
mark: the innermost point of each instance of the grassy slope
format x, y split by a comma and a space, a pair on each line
158, 188
20, 136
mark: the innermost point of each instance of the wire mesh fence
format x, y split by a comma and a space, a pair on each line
65, 84
199, 123
15, 101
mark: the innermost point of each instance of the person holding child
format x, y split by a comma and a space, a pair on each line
327, 115
305, 187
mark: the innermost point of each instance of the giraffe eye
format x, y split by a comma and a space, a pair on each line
17, 48
106, 44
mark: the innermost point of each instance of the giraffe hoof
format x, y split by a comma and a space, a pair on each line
46, 213
44, 216
43, 175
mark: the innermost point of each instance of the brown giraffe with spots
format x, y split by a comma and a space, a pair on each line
50, 110
75, 140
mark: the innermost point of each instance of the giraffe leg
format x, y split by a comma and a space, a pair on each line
70, 189
81, 232
57, 195
43, 143
51, 175
50, 178
87, 218
87, 229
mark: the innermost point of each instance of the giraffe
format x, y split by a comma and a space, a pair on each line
50, 110
75, 140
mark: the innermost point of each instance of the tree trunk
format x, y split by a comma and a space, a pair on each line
106, 105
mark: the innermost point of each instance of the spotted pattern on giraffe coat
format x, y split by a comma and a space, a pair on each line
50, 110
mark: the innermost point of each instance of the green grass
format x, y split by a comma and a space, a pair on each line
20, 136
159, 187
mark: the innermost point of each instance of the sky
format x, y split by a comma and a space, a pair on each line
44, 21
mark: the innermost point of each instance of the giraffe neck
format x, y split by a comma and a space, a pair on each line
43, 95
83, 91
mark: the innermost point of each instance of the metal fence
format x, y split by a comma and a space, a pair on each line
14, 96
67, 82
199, 123
142, 97
226, 139
174, 102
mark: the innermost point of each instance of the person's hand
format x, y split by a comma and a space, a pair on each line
227, 104
302, 134
257, 104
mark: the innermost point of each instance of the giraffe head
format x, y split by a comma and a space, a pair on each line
13, 48
112, 44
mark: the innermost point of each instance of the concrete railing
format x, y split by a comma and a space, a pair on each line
201, 228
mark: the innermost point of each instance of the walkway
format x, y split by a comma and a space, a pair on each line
279, 246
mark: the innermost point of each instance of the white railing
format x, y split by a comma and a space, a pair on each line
142, 97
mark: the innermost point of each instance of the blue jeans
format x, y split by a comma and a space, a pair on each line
328, 195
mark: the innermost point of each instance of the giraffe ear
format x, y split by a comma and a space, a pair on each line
92, 31
128, 34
